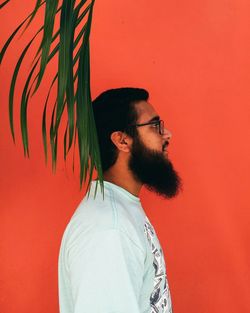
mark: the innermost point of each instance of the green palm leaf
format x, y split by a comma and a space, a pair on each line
33, 14
71, 46
6, 45
4, 3
50, 13
13, 84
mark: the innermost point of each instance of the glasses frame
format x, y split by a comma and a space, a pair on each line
160, 124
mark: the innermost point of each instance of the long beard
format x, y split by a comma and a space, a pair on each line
154, 170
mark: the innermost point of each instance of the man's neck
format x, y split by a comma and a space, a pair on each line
123, 179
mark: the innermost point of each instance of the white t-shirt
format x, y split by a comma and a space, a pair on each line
110, 258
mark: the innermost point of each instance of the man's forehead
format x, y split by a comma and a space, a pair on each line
145, 111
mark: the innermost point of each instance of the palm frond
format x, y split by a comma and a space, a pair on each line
4, 3
13, 84
33, 14
71, 47
50, 13
6, 45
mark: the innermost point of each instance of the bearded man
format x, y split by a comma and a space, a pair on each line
110, 258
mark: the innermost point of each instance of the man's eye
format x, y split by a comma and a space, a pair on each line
155, 125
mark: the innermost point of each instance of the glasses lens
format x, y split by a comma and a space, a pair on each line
161, 128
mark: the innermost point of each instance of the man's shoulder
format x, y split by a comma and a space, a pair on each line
107, 213
98, 214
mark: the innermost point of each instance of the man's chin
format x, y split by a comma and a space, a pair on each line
162, 191
154, 170
163, 181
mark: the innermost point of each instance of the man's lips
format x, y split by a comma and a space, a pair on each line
164, 147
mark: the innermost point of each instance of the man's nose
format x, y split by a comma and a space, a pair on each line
167, 134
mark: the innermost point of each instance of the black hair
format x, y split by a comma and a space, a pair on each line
114, 110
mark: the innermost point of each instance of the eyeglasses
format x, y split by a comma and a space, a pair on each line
159, 124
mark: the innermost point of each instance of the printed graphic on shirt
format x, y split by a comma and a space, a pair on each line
160, 299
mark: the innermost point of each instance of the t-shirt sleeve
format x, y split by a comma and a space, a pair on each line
106, 273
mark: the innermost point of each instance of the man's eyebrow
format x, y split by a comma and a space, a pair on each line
155, 118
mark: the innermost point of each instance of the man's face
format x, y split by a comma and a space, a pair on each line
148, 161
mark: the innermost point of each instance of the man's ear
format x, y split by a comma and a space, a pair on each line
121, 140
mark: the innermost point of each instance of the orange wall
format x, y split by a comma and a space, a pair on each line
193, 56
